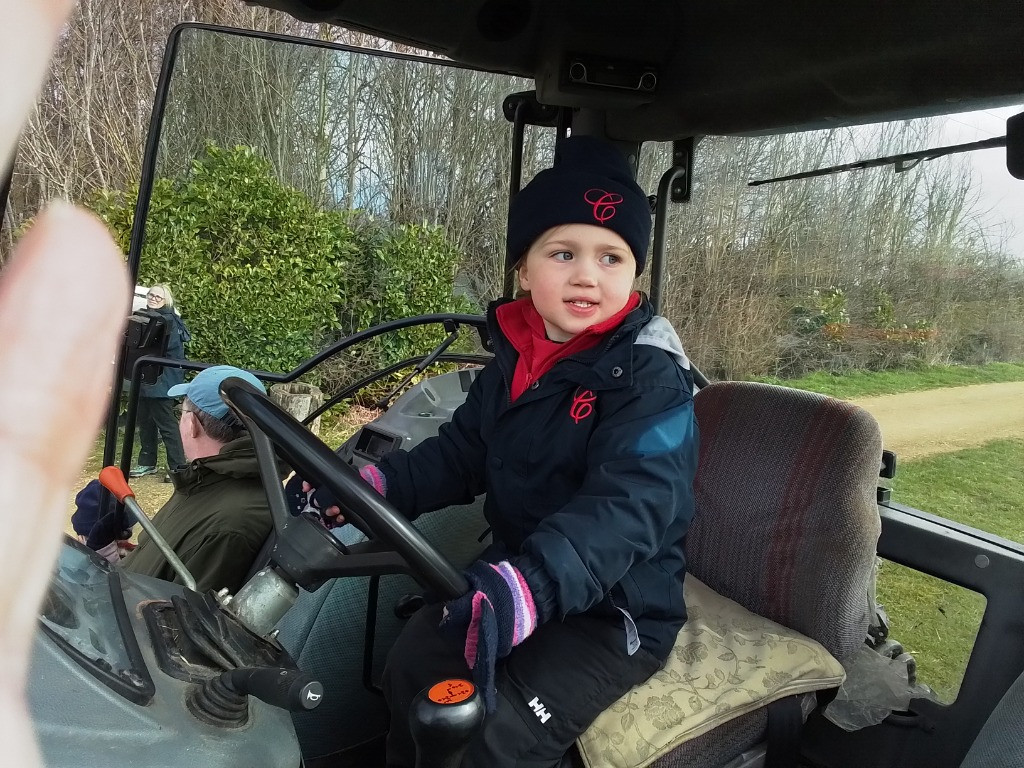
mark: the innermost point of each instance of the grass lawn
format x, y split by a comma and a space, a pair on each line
937, 622
868, 383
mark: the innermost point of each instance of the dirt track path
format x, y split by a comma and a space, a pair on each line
916, 424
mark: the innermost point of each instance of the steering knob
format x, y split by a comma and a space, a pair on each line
443, 719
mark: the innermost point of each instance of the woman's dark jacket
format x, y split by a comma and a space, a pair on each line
588, 475
177, 336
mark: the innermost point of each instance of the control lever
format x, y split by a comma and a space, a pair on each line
224, 701
112, 478
443, 719
285, 688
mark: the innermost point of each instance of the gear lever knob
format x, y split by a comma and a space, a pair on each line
443, 719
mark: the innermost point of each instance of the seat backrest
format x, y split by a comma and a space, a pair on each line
786, 519
1001, 741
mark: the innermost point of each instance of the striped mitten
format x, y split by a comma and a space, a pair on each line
373, 477
496, 615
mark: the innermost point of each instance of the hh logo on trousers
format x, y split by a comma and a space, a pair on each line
539, 710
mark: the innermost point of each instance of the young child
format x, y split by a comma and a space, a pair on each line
581, 433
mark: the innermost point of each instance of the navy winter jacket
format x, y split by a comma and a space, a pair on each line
588, 475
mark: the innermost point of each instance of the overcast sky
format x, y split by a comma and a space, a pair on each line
1001, 193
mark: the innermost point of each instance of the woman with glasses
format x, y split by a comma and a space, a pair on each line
156, 417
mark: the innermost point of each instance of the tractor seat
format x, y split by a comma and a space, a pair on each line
1000, 744
781, 557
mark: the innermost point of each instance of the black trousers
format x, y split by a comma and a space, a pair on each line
156, 415
550, 688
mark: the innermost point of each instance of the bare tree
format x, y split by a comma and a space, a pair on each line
417, 143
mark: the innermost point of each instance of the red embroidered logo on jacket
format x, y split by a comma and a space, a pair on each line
603, 203
582, 404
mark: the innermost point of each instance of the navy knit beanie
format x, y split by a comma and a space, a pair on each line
591, 182
87, 508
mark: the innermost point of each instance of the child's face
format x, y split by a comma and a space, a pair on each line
578, 275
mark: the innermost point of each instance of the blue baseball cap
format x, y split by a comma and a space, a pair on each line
204, 389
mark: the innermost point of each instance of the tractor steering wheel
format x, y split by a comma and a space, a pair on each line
305, 550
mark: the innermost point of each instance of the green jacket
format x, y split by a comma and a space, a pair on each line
216, 521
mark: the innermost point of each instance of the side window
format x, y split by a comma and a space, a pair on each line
934, 621
842, 284
979, 486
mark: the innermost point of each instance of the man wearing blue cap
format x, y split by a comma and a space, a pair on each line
218, 518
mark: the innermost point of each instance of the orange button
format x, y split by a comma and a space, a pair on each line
450, 691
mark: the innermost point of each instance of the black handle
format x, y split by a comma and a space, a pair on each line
444, 719
285, 688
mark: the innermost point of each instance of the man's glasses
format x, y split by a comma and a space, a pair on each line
180, 409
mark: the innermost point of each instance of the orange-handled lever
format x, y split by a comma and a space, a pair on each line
112, 478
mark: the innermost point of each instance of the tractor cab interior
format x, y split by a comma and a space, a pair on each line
789, 517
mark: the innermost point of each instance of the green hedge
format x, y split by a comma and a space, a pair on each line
264, 279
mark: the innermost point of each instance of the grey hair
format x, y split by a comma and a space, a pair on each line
222, 430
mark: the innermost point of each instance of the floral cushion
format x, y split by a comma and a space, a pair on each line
726, 662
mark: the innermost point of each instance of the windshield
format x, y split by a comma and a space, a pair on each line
305, 193
871, 270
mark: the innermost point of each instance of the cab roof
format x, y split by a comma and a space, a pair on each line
668, 69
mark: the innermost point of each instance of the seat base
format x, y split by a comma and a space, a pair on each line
727, 665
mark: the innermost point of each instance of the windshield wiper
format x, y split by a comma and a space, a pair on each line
902, 162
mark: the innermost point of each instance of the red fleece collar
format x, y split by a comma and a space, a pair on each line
524, 328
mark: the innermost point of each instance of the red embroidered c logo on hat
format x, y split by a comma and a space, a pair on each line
603, 203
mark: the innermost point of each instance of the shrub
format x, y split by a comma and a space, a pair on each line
265, 278
822, 336
404, 271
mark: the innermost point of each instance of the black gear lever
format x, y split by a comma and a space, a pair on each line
443, 719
